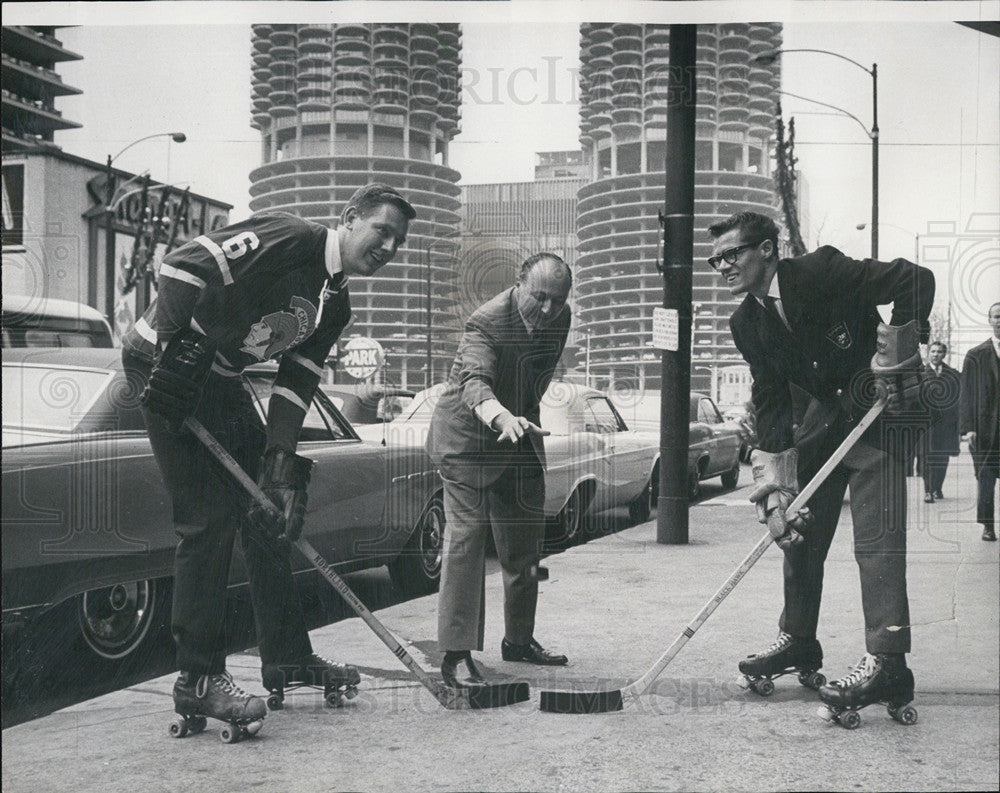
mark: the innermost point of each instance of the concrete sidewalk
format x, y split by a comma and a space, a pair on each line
613, 605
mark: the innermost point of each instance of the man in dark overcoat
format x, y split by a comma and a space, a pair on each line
980, 420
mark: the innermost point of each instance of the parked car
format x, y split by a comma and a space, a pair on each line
363, 403
87, 529
593, 460
50, 322
714, 446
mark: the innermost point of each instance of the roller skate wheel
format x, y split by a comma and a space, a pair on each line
350, 692
275, 702
196, 724
764, 687
333, 699
229, 734
254, 727
812, 680
907, 714
850, 720
178, 728
827, 714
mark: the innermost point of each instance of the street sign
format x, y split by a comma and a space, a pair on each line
666, 329
361, 358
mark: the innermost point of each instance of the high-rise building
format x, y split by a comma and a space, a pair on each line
342, 105
31, 85
505, 223
623, 117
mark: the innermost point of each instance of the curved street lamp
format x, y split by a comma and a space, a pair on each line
110, 205
770, 56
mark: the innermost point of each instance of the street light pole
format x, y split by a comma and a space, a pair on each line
772, 55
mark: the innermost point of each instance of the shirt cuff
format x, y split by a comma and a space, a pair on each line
489, 409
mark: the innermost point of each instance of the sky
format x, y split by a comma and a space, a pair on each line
146, 71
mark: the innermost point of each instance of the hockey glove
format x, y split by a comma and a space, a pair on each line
284, 477
776, 484
177, 379
897, 366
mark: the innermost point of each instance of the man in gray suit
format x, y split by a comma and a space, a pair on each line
486, 440
980, 420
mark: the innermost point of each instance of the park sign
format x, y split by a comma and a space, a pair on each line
361, 357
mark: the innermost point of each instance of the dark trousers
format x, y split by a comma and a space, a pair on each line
934, 467
878, 508
513, 507
987, 467
209, 509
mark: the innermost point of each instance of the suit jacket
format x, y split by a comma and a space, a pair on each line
830, 301
496, 358
980, 400
942, 392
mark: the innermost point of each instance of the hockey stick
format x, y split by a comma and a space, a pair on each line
476, 698
607, 701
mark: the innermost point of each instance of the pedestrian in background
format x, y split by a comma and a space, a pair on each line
980, 420
941, 437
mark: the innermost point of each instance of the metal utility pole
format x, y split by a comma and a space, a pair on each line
678, 251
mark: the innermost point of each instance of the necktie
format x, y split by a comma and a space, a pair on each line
773, 304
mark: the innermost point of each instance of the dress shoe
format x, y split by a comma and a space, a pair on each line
532, 653
928, 498
989, 535
938, 495
461, 673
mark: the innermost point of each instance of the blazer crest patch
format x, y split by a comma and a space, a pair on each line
840, 335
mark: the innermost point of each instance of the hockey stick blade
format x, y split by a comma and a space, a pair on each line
497, 695
615, 700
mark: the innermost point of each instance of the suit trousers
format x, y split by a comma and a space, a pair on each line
987, 467
513, 508
934, 466
209, 509
878, 510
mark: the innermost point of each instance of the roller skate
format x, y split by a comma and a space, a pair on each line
200, 697
880, 678
336, 681
787, 655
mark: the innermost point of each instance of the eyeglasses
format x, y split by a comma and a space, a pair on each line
729, 256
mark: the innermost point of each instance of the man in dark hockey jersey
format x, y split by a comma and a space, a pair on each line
270, 287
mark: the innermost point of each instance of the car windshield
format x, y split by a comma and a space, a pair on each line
50, 398
315, 427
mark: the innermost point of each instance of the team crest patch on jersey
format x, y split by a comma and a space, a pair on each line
840, 335
276, 332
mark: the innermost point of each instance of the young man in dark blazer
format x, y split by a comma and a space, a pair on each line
486, 440
980, 420
811, 323
941, 438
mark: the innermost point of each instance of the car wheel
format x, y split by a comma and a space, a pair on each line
417, 569
731, 478
694, 485
570, 519
640, 508
115, 620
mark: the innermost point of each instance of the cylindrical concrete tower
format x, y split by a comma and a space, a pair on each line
339, 106
623, 117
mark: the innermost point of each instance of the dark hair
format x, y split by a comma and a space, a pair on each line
531, 261
753, 227
990, 309
940, 344
370, 197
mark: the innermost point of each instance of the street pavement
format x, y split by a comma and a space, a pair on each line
613, 605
